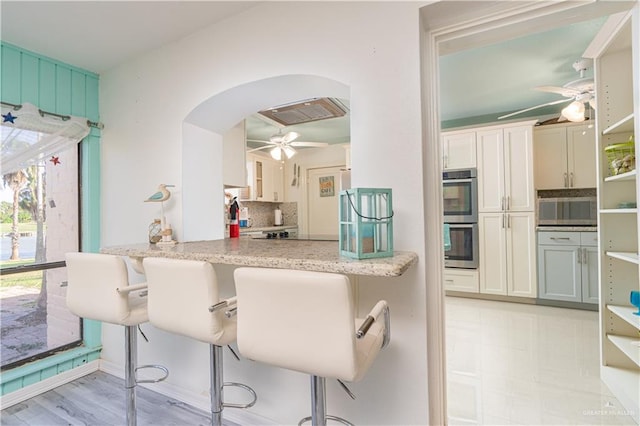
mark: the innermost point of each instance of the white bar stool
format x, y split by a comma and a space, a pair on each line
98, 289
305, 321
184, 299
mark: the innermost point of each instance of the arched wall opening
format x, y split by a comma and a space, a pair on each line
203, 127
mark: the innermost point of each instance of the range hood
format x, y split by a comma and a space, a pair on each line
305, 111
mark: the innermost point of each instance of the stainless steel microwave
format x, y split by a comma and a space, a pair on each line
568, 211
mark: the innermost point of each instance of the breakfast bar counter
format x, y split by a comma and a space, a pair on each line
308, 255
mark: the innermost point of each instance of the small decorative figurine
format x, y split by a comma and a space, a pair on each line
161, 196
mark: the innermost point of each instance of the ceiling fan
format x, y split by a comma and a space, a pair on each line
280, 143
578, 91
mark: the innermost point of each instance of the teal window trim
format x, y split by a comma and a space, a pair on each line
52, 361
32, 78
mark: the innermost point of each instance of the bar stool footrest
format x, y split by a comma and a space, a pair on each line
334, 418
158, 367
245, 387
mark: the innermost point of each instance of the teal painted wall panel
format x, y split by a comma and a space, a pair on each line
32, 378
47, 84
65, 366
78, 92
61, 89
45, 373
91, 98
11, 386
79, 361
11, 74
29, 81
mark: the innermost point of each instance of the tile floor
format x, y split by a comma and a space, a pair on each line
518, 364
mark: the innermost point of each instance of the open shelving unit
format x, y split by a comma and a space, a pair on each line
616, 63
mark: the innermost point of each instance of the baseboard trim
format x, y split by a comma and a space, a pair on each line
197, 400
45, 385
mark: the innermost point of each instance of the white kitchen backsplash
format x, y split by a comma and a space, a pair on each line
262, 214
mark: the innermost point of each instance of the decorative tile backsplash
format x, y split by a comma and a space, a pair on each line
568, 192
262, 213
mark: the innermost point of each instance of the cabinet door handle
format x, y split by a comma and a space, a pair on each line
502, 204
508, 202
445, 160
584, 256
579, 255
508, 221
571, 180
565, 180
560, 238
503, 221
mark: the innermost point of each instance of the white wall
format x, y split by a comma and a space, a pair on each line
373, 49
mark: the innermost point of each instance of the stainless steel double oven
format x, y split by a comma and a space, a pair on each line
460, 202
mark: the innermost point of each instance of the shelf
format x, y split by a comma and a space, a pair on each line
624, 176
623, 126
628, 345
618, 211
626, 256
626, 313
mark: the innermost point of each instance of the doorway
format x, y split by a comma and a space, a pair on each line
323, 190
450, 25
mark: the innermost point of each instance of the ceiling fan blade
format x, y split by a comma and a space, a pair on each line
289, 136
258, 149
311, 144
567, 92
534, 107
261, 141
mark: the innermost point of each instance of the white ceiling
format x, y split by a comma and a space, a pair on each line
99, 35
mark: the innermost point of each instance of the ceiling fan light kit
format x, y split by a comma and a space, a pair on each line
574, 111
276, 153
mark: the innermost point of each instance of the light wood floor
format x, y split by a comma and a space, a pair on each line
98, 399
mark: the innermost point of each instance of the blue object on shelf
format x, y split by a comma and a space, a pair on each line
446, 230
634, 298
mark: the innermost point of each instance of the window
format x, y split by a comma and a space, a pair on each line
39, 223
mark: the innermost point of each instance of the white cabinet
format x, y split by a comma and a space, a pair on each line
568, 266
507, 254
458, 150
565, 156
266, 180
465, 280
505, 169
617, 82
234, 146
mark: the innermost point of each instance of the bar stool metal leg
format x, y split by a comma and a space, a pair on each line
216, 384
318, 399
131, 354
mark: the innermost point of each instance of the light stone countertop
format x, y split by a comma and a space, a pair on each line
567, 228
321, 256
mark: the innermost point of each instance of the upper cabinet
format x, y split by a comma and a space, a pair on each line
458, 150
505, 168
265, 178
565, 156
234, 146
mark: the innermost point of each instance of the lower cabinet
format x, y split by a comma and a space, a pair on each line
461, 280
568, 266
507, 254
